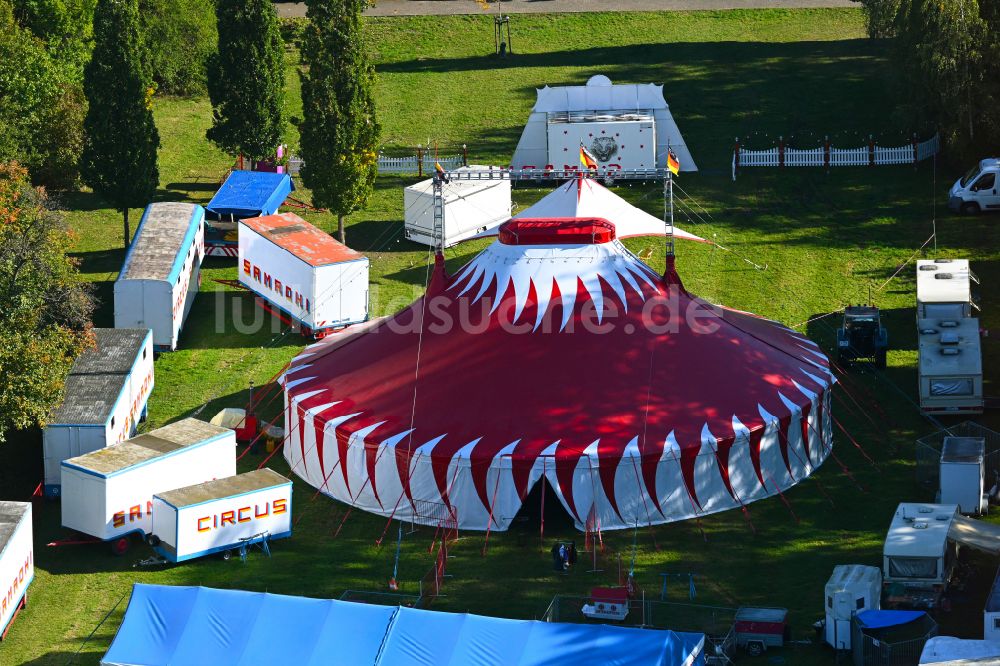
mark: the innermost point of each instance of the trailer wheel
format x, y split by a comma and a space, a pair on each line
755, 648
227, 555
152, 540
120, 546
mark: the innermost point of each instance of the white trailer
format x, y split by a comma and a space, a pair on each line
944, 288
106, 395
17, 560
851, 588
950, 366
302, 273
991, 612
162, 272
918, 553
221, 515
108, 494
471, 207
963, 474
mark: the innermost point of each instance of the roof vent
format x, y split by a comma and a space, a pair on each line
948, 323
943, 517
919, 525
928, 267
949, 338
950, 351
928, 331
942, 261
943, 276
925, 509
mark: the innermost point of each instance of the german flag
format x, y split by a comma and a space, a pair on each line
673, 163
586, 159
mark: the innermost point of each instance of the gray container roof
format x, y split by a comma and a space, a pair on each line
161, 238
115, 352
963, 449
149, 446
89, 400
220, 488
11, 514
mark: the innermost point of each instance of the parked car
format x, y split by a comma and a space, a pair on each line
978, 190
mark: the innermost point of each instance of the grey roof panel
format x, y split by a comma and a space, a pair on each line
115, 352
219, 488
149, 446
89, 400
159, 241
11, 514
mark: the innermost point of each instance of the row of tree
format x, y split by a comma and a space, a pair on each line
946, 56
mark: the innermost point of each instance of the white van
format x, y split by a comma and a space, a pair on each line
978, 190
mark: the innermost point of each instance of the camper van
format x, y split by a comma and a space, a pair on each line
918, 556
978, 190
950, 366
944, 289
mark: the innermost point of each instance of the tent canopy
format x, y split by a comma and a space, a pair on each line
251, 194
569, 360
975, 534
167, 625
586, 198
880, 619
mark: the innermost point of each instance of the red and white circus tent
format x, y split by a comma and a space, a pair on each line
557, 353
584, 197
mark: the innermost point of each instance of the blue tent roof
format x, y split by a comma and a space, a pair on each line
879, 619
251, 194
168, 625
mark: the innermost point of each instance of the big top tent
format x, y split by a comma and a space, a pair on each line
556, 353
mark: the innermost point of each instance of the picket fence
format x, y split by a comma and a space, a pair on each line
828, 156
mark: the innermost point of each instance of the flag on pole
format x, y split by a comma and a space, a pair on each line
586, 159
673, 163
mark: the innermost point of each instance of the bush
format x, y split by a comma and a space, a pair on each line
182, 35
291, 30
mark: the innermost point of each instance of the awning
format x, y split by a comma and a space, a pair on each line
975, 534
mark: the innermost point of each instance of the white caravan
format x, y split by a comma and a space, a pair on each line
944, 289
852, 588
950, 367
917, 552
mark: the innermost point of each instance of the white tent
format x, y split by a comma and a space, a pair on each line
585, 198
625, 125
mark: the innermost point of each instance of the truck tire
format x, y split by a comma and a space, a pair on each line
755, 648
153, 540
970, 208
227, 554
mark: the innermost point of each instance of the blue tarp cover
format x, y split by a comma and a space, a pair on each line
251, 194
879, 619
192, 626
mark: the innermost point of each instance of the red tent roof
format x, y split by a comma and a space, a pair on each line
562, 351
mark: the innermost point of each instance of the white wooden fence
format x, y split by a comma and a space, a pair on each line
828, 156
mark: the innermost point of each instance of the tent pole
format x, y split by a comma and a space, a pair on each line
541, 529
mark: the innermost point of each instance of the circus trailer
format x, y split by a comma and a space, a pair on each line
17, 560
244, 194
851, 588
302, 274
944, 289
556, 311
221, 515
471, 207
624, 126
105, 399
108, 493
161, 275
950, 366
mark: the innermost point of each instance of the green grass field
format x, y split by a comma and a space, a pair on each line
826, 238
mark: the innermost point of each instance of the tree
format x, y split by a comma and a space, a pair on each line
879, 17
339, 130
246, 80
47, 307
120, 141
185, 40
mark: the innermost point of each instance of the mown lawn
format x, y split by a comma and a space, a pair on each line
824, 238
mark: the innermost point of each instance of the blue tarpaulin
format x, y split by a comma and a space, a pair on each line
191, 626
880, 619
251, 194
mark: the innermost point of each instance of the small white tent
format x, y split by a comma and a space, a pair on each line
585, 198
628, 126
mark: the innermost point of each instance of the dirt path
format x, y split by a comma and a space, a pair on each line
442, 7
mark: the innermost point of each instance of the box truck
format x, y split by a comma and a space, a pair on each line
108, 493
162, 272
17, 560
221, 515
105, 398
302, 274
